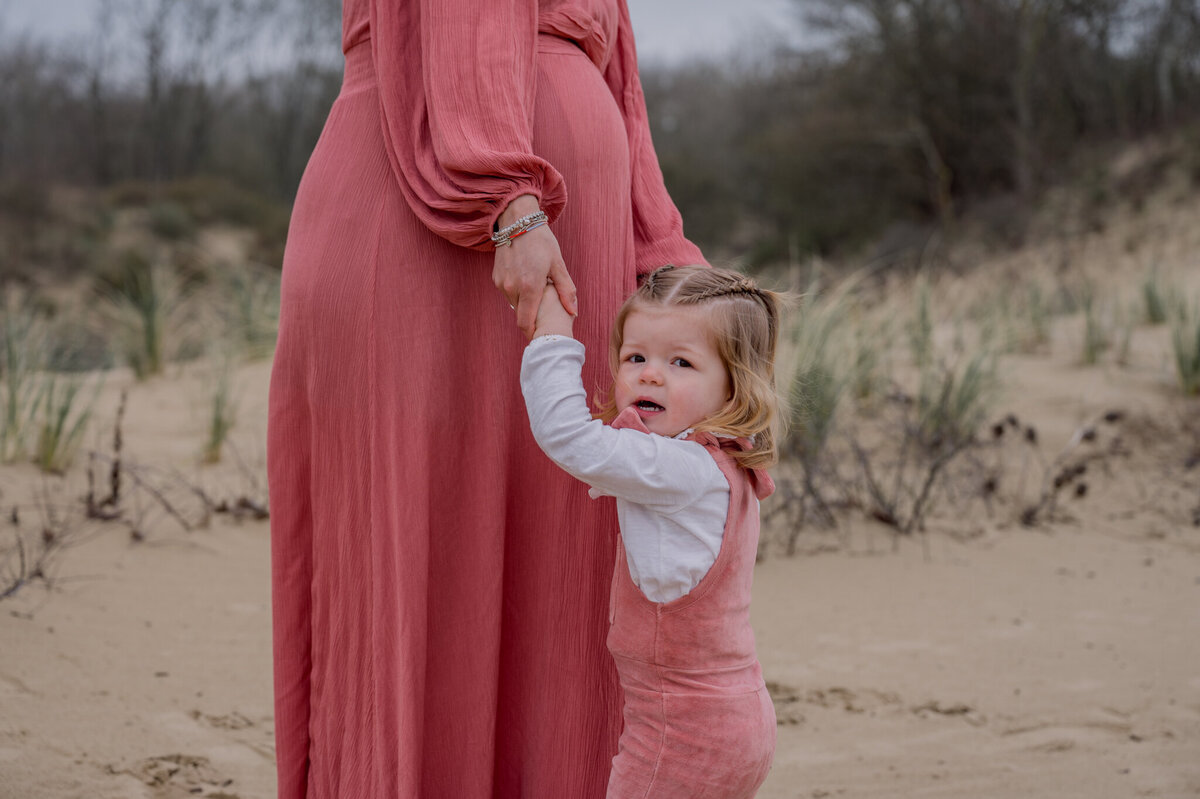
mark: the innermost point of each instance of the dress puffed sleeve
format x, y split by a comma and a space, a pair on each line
456, 85
657, 226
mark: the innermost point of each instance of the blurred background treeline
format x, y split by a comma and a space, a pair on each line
892, 117
916, 112
975, 199
197, 111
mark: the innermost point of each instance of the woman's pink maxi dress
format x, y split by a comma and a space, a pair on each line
440, 588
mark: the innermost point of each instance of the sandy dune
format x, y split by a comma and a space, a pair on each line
1057, 661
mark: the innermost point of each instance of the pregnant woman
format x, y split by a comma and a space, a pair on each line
440, 587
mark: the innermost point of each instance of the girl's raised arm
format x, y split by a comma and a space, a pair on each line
647, 469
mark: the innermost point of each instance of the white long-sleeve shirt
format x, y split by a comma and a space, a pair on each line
672, 498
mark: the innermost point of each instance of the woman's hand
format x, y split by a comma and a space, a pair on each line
522, 268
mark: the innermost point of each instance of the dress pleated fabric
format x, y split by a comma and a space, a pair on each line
440, 589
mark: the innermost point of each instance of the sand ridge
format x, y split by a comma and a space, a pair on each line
995, 660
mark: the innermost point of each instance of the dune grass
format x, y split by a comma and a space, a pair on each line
1036, 332
920, 327
23, 346
954, 399
1096, 334
39, 403
1185, 346
63, 415
222, 405
1155, 299
145, 305
814, 385
249, 303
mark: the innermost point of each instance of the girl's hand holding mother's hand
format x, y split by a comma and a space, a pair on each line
522, 267
552, 318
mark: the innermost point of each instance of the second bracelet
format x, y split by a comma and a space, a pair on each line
504, 236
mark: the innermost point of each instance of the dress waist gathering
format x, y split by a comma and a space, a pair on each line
559, 45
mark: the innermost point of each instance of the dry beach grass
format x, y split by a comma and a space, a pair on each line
986, 652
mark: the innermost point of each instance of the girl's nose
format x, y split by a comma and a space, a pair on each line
650, 374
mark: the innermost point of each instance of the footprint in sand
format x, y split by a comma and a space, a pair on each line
250, 732
789, 701
852, 701
957, 709
12, 685
228, 721
179, 775
1053, 737
787, 704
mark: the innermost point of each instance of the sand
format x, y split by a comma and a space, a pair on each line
988, 660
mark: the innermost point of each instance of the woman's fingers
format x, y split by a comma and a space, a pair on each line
565, 287
523, 284
521, 271
527, 308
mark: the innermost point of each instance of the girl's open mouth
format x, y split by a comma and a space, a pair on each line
647, 405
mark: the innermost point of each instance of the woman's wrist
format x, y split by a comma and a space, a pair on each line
521, 206
504, 236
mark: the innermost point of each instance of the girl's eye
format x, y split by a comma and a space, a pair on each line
635, 358
684, 362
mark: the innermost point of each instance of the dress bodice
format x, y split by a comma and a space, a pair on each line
592, 24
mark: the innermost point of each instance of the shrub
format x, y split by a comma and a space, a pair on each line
131, 194
171, 221
815, 384
25, 202
210, 199
953, 401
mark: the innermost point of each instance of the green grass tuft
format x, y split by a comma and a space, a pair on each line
920, 328
1185, 344
23, 343
145, 304
63, 421
1096, 337
222, 408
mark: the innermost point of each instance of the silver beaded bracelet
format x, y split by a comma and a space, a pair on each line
504, 236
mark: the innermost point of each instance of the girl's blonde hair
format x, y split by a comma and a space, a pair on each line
744, 323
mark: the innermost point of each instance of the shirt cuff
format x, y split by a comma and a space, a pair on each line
548, 338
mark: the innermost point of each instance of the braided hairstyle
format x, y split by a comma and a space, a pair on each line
743, 321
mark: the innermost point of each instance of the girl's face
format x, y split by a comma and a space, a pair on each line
670, 370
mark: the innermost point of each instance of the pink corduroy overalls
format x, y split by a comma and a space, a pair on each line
698, 720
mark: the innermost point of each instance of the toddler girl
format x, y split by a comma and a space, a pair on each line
691, 412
